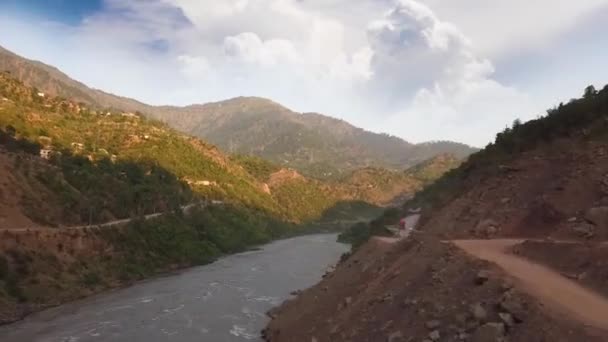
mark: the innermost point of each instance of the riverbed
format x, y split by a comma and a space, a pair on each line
223, 301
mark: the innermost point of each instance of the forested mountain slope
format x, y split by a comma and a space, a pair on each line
314, 144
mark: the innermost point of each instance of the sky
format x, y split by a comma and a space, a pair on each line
422, 70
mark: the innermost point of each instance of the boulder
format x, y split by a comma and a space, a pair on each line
481, 277
584, 230
434, 335
434, 324
490, 332
397, 336
507, 319
487, 228
478, 311
513, 304
597, 216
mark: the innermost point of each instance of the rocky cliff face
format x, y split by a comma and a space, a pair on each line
545, 183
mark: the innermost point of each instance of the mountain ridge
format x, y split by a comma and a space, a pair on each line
315, 144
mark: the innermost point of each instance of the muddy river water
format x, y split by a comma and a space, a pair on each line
223, 301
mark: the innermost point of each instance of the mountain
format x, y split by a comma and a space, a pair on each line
528, 212
314, 144
66, 168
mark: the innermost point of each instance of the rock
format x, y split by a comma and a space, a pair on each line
386, 298
513, 304
507, 319
479, 312
434, 324
487, 228
598, 216
505, 200
482, 277
397, 336
435, 335
347, 301
572, 219
314, 339
585, 230
490, 332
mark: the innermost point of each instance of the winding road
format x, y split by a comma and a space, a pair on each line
185, 209
555, 291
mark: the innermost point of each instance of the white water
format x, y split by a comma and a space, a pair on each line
223, 301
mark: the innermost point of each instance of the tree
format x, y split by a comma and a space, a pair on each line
516, 123
11, 131
590, 92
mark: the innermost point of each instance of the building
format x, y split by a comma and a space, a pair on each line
130, 115
40, 94
77, 146
46, 154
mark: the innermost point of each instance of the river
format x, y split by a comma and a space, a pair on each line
223, 301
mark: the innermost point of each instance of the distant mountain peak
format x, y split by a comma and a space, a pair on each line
313, 143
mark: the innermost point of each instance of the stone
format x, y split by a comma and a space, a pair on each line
479, 312
585, 230
490, 332
513, 304
487, 228
572, 219
481, 277
347, 301
314, 339
435, 335
434, 324
507, 319
397, 336
598, 216
505, 200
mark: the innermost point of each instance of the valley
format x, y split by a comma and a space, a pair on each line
95, 199
242, 203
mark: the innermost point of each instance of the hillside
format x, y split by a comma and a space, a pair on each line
542, 181
314, 144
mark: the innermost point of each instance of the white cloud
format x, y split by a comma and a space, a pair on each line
194, 66
501, 27
248, 47
447, 88
420, 69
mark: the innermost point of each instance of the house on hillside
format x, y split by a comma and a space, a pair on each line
46, 153
77, 146
40, 94
130, 115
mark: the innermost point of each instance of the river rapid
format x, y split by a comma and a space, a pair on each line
223, 301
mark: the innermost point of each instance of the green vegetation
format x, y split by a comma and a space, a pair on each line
583, 119
257, 167
361, 232
316, 145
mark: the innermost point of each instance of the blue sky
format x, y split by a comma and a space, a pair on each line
65, 11
419, 69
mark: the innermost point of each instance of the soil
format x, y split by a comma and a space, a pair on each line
585, 263
11, 214
389, 290
421, 289
574, 301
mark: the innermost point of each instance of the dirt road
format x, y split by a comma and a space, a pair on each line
121, 222
555, 292
410, 225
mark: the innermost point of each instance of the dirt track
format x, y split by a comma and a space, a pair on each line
561, 295
114, 223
